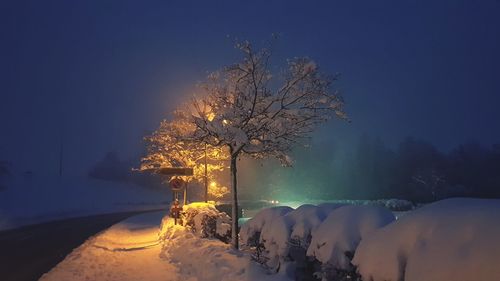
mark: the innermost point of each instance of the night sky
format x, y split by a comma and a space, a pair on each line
104, 73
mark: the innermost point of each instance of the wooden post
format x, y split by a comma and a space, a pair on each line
185, 194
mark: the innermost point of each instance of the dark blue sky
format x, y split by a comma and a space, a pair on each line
107, 72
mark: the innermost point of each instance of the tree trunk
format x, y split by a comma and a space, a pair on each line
206, 176
234, 209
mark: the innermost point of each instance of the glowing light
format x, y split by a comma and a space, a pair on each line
210, 116
217, 190
225, 122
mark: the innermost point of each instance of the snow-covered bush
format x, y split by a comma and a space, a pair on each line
294, 226
206, 221
335, 240
293, 230
281, 234
251, 230
197, 259
453, 239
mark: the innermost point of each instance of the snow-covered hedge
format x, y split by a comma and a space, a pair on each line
251, 230
295, 225
197, 259
287, 237
453, 239
336, 239
204, 220
311, 238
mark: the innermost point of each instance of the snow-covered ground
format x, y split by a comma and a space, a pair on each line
291, 240
133, 250
129, 250
45, 198
198, 259
450, 240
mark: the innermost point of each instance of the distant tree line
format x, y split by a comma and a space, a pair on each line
415, 170
418, 171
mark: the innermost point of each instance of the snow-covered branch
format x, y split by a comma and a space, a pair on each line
241, 110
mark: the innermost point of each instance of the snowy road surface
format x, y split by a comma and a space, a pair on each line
28, 252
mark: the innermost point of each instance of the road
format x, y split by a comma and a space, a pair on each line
28, 252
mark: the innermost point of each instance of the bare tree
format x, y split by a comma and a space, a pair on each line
250, 111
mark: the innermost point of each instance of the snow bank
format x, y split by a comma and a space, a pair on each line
453, 239
341, 231
198, 259
204, 220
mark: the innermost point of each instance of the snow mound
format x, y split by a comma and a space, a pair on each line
341, 231
305, 219
206, 221
169, 229
250, 231
208, 259
284, 234
295, 226
453, 239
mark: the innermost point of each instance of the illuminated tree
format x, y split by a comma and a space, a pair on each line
253, 112
168, 146
217, 190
